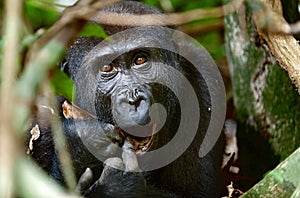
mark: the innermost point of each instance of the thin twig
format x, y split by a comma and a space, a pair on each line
218, 24
60, 142
75, 14
9, 69
125, 19
284, 47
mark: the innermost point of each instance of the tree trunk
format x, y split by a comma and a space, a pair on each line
266, 101
264, 96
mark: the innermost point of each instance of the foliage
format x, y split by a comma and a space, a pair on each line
40, 14
93, 30
62, 84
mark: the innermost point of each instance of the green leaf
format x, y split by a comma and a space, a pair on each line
93, 30
212, 41
40, 13
62, 84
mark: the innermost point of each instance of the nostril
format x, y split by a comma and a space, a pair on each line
135, 101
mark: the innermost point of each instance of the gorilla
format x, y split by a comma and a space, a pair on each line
112, 127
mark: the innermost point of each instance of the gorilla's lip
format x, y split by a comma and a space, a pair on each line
139, 144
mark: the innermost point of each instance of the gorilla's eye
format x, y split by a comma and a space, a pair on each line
107, 68
140, 59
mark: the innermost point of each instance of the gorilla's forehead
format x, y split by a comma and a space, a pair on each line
118, 47
132, 39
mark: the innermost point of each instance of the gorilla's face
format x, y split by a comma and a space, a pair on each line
116, 81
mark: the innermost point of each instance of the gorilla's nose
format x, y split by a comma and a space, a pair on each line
135, 98
131, 106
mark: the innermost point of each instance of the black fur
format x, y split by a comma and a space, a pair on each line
188, 176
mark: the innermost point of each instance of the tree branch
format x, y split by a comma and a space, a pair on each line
285, 48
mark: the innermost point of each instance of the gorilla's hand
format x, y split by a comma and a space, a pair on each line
90, 140
106, 185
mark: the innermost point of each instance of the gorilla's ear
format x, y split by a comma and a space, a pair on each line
64, 66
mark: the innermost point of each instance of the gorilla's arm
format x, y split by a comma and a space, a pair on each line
80, 131
113, 180
120, 176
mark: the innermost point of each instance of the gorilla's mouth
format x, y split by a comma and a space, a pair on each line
139, 144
